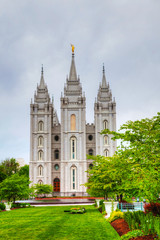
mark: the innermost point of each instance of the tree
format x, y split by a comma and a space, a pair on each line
24, 171
43, 189
2, 173
14, 187
140, 152
108, 176
8, 167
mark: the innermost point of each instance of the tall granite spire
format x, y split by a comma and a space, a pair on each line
73, 74
104, 83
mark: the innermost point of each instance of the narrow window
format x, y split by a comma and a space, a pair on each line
105, 140
73, 122
90, 152
73, 148
40, 155
73, 178
56, 154
40, 141
106, 153
40, 170
105, 124
40, 126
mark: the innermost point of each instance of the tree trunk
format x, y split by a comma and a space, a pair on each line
121, 196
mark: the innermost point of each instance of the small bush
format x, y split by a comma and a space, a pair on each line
115, 215
132, 234
101, 202
20, 205
138, 220
2, 206
152, 207
101, 207
104, 213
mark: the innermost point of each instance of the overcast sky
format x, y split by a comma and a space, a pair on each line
122, 34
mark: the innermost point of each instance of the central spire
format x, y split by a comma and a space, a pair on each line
104, 83
42, 84
73, 74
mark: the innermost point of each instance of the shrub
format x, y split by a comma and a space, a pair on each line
104, 213
138, 220
2, 206
101, 207
101, 202
115, 215
152, 207
132, 234
157, 225
20, 205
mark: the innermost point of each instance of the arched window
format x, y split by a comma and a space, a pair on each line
56, 154
40, 170
73, 148
90, 152
40, 141
40, 126
40, 182
106, 153
105, 124
73, 177
40, 155
73, 122
105, 140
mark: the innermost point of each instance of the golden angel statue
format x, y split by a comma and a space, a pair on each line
72, 48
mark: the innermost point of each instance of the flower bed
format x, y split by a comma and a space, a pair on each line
76, 210
122, 228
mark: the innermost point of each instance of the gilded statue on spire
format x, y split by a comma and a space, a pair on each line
72, 48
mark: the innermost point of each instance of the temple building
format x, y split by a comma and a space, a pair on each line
58, 150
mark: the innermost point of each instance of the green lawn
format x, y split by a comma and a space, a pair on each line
41, 223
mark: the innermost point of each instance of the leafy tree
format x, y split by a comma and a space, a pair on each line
2, 173
108, 176
140, 153
43, 189
9, 167
24, 171
14, 187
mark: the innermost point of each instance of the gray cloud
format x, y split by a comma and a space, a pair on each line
123, 34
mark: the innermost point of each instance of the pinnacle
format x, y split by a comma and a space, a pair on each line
104, 83
73, 74
42, 84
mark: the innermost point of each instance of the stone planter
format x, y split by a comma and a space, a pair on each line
108, 207
97, 201
8, 206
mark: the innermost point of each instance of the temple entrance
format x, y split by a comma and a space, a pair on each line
56, 185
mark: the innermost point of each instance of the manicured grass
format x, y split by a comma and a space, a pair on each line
46, 223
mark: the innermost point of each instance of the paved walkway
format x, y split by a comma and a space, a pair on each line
69, 204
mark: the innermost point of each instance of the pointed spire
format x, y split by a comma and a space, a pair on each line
104, 83
73, 74
42, 84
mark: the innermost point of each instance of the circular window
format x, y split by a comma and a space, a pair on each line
56, 167
56, 138
90, 137
90, 165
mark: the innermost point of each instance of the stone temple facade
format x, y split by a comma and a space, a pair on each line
58, 150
